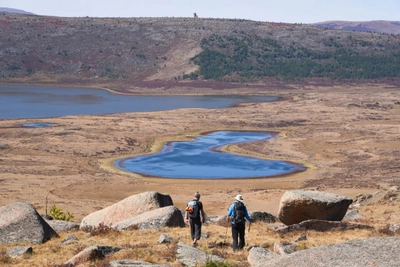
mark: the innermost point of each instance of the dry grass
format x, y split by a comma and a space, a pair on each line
142, 244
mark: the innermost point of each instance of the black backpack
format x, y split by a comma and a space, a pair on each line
238, 213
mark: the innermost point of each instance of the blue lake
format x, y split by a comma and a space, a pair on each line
22, 101
197, 159
202, 158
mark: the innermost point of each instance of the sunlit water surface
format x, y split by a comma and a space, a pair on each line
202, 158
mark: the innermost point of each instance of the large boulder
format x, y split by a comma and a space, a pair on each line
127, 208
20, 222
297, 206
169, 216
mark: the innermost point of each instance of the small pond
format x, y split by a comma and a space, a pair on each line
202, 158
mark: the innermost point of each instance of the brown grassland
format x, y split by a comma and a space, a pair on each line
347, 136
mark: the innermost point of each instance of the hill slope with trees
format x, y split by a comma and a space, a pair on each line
56, 49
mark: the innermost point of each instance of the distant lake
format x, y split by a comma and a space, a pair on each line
202, 158
23, 101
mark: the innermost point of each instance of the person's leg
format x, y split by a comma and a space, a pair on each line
197, 234
234, 237
192, 229
241, 231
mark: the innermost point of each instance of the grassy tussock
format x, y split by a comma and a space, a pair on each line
142, 244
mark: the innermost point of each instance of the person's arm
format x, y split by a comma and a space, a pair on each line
230, 211
247, 214
203, 216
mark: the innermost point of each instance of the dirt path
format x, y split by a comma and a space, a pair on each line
346, 136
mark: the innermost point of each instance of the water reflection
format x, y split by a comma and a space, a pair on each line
203, 159
38, 125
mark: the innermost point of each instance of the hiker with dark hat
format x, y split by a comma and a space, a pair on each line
238, 212
195, 216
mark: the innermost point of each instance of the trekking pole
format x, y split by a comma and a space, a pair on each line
249, 226
226, 231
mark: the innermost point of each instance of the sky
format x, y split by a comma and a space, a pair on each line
290, 11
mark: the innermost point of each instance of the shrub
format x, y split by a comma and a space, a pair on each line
100, 230
58, 214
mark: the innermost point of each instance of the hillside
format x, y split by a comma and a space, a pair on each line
378, 26
100, 50
13, 10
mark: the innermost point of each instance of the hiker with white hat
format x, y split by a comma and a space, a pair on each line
238, 212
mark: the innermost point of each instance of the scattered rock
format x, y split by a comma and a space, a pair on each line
263, 217
92, 253
20, 222
62, 226
258, 256
19, 251
322, 226
285, 249
297, 206
4, 146
135, 263
221, 220
301, 238
163, 239
70, 240
352, 215
395, 228
192, 257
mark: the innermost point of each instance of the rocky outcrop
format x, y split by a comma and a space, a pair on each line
20, 222
355, 253
126, 209
322, 226
297, 206
169, 216
390, 196
263, 217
